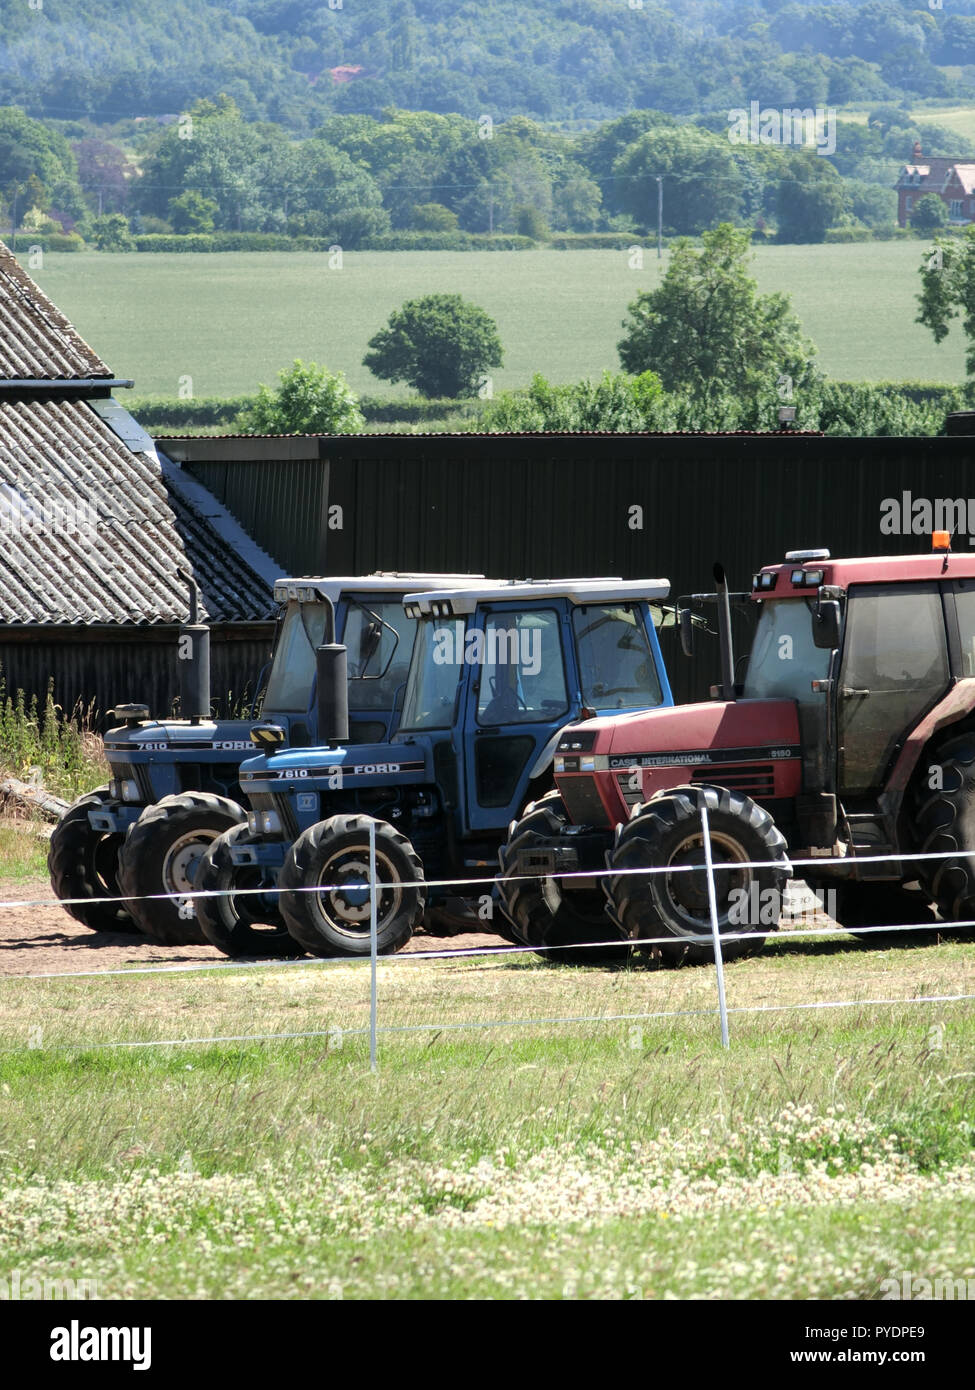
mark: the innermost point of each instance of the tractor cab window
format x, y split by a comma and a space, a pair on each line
784, 659
965, 608
522, 673
435, 674
894, 668
616, 664
379, 639
293, 669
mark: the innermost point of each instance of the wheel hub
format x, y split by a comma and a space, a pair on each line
346, 893
183, 859
687, 890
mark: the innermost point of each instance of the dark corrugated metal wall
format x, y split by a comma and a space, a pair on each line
283, 500
112, 670
548, 506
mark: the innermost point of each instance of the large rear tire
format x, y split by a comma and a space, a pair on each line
541, 913
162, 853
248, 925
666, 833
333, 857
945, 824
83, 863
865, 904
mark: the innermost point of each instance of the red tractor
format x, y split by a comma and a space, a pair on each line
850, 740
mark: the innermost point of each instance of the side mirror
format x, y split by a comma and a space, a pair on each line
826, 624
685, 622
372, 635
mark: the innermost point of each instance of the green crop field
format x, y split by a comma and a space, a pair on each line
230, 321
617, 1154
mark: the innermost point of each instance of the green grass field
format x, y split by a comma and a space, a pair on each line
233, 320
617, 1157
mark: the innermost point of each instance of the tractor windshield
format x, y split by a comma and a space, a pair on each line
435, 672
615, 661
784, 659
293, 670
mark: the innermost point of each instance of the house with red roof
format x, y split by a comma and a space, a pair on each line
951, 180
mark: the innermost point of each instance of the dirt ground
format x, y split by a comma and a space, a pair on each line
38, 937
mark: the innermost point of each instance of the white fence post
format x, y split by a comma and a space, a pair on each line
715, 934
373, 887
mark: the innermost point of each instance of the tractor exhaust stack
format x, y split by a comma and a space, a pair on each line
193, 657
332, 672
725, 639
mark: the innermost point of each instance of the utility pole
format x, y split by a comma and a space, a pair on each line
491, 208
660, 215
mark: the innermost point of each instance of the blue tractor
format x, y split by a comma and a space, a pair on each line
497, 672
174, 782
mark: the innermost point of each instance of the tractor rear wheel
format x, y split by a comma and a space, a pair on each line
332, 857
666, 833
247, 925
162, 853
859, 905
83, 863
945, 824
541, 913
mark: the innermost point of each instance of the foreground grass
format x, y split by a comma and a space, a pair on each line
614, 1157
232, 320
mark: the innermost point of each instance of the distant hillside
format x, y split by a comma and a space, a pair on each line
294, 61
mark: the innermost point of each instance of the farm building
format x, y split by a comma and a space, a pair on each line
95, 523
951, 180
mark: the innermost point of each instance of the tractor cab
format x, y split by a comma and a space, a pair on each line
498, 670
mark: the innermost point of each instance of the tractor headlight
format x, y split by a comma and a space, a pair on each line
559, 764
270, 823
113, 789
595, 762
252, 825
129, 789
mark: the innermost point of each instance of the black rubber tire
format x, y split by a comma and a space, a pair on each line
667, 829
251, 925
161, 854
866, 904
580, 915
331, 924
83, 863
945, 824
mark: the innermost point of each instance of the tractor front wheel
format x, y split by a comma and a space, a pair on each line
238, 922
325, 894
665, 833
542, 914
161, 855
83, 864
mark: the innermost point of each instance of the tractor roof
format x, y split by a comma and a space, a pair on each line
381, 582
581, 591
871, 569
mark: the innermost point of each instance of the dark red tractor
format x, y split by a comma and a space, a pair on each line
850, 741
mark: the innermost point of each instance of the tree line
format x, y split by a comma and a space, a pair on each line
358, 176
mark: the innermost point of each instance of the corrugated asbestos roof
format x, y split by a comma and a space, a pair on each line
36, 340
92, 532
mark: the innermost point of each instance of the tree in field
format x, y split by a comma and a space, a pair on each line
191, 212
811, 197
948, 289
441, 345
707, 331
309, 400
112, 233
930, 213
